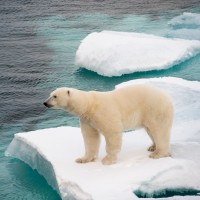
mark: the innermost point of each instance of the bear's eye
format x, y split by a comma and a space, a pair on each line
55, 96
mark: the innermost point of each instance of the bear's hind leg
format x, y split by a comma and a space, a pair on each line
161, 139
92, 141
153, 146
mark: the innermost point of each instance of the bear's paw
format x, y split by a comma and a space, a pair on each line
109, 160
85, 159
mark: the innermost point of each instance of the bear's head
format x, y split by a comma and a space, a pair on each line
58, 99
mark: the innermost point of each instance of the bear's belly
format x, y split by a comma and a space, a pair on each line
132, 122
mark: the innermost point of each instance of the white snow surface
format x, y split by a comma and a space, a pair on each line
111, 53
52, 153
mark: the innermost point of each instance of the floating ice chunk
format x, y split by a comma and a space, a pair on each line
48, 151
52, 153
186, 26
112, 53
186, 20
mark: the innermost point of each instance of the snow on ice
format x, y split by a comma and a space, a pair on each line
52, 153
112, 53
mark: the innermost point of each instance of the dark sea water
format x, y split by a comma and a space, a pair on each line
38, 42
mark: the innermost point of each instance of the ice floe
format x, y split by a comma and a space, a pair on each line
186, 20
110, 53
52, 153
186, 26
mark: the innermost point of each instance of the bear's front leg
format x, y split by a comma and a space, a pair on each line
91, 140
113, 147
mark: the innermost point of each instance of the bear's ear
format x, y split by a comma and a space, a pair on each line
68, 92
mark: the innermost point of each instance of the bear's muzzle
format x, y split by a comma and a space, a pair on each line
47, 105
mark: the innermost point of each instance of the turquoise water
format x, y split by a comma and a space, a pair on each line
39, 43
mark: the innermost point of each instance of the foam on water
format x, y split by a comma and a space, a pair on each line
116, 53
134, 171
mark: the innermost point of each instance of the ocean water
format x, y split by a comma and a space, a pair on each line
38, 42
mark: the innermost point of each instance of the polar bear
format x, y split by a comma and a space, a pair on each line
113, 112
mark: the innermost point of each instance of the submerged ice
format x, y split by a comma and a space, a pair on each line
112, 53
186, 26
186, 20
52, 153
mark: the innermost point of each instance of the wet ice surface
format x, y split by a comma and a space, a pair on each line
52, 153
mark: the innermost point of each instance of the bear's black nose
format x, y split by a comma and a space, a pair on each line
45, 103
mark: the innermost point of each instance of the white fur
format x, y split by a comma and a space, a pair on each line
111, 113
